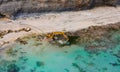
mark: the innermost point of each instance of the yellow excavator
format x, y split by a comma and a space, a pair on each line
59, 37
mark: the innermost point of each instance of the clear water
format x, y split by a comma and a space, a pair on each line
39, 56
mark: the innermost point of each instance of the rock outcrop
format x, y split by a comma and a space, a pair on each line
109, 35
9, 8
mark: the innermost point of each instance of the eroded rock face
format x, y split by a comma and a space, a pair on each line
9, 8
96, 37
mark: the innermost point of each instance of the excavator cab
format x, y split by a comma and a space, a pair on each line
59, 37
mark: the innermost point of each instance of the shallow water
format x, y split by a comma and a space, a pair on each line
36, 56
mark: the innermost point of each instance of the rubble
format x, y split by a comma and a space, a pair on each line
4, 32
21, 41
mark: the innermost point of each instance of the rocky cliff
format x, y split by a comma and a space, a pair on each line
9, 8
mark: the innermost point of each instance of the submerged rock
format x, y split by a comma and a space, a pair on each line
38, 63
78, 67
13, 68
21, 41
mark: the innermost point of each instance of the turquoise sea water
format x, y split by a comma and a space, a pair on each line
36, 56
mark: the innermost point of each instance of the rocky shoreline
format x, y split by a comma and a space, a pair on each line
82, 27
90, 39
96, 31
102, 35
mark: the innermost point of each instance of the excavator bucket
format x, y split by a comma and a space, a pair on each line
59, 37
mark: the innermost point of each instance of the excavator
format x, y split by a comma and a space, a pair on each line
59, 37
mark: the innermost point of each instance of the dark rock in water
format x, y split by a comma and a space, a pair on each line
114, 64
67, 70
21, 41
11, 8
33, 70
118, 60
73, 39
77, 66
12, 68
117, 55
105, 69
38, 63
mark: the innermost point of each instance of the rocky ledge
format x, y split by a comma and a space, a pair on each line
10, 8
94, 37
97, 37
